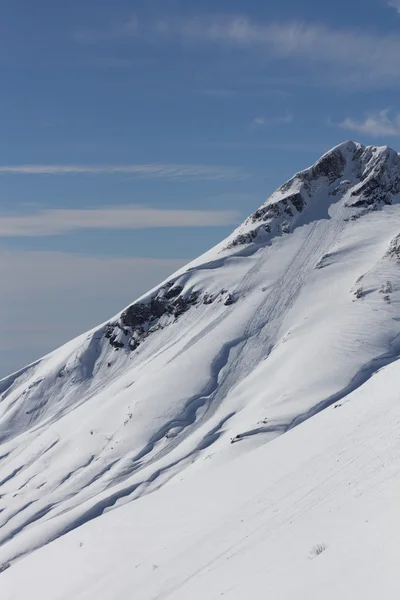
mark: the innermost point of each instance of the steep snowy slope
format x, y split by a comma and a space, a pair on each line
314, 514
294, 311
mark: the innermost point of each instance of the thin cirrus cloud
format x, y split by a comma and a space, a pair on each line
263, 121
368, 58
378, 124
395, 4
165, 171
49, 222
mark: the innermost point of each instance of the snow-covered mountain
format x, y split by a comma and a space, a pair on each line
297, 311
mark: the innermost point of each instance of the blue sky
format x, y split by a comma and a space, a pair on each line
137, 134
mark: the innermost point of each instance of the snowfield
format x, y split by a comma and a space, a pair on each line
254, 393
253, 527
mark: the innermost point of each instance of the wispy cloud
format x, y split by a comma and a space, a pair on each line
375, 55
148, 170
369, 58
263, 121
378, 124
61, 221
395, 4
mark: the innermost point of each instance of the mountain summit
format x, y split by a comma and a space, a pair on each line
293, 313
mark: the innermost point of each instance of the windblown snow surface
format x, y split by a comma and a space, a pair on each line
255, 393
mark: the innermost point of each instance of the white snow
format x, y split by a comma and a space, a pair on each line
296, 312
249, 528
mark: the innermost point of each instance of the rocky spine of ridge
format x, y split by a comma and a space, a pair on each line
171, 301
279, 213
378, 171
375, 179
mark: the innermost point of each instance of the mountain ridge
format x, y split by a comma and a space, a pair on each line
221, 351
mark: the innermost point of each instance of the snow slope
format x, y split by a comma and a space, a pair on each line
251, 528
294, 312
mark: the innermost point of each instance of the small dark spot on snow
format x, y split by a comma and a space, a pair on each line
317, 550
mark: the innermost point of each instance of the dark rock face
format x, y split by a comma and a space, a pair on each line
379, 175
208, 298
167, 301
266, 212
157, 308
297, 201
371, 192
230, 299
111, 333
394, 249
136, 315
244, 238
286, 205
163, 309
331, 166
279, 211
173, 292
139, 320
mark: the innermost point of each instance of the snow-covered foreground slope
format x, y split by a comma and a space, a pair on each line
298, 308
314, 514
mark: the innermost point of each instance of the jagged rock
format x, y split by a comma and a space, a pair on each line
230, 299
267, 212
208, 298
140, 320
297, 201
157, 307
136, 314
193, 298
386, 288
331, 166
394, 249
359, 293
245, 238
371, 192
173, 292
179, 307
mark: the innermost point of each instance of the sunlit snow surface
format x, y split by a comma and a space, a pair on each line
294, 313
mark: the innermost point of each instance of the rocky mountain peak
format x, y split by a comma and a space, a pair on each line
368, 176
